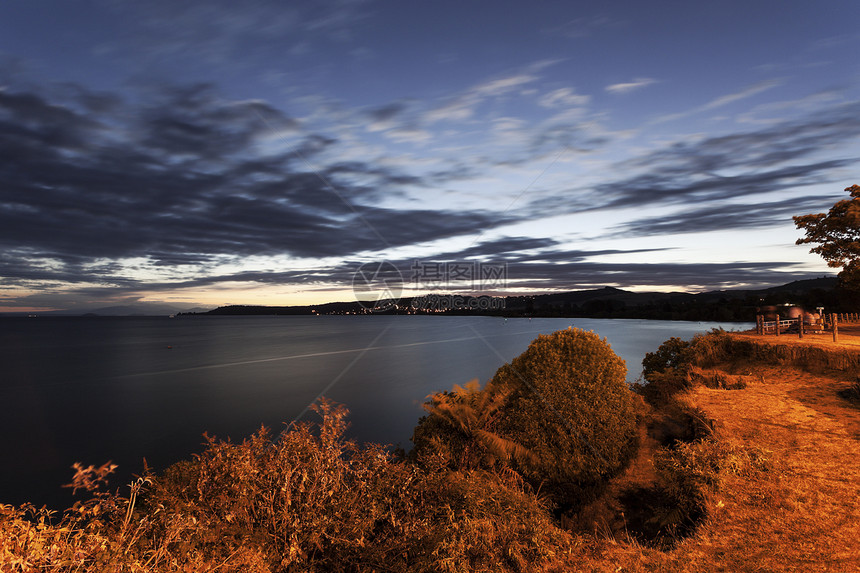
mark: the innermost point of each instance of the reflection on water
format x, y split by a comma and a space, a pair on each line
93, 389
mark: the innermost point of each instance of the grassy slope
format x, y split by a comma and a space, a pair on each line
802, 514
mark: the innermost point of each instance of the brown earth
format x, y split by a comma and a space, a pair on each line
800, 514
848, 335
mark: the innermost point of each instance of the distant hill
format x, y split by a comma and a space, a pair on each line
825, 283
134, 310
606, 302
138, 309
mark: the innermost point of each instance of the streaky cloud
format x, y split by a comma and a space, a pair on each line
626, 87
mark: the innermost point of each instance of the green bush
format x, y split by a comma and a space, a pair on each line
570, 406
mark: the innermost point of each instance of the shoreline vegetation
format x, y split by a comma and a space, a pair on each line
607, 302
737, 452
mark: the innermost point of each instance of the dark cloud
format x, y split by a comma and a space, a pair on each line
786, 141
569, 137
713, 170
570, 256
694, 187
695, 276
547, 271
182, 178
182, 181
194, 122
457, 172
387, 112
506, 246
506, 250
382, 179
721, 217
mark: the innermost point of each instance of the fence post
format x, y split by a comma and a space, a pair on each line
800, 326
777, 325
759, 329
835, 320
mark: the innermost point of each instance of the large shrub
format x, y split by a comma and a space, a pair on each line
570, 406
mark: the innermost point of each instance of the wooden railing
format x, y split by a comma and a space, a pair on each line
830, 322
769, 326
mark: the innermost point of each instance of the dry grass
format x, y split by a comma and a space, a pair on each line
800, 514
307, 501
805, 513
849, 337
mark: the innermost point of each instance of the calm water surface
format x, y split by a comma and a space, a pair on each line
121, 389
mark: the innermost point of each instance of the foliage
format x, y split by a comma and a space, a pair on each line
670, 354
570, 406
672, 367
305, 501
98, 534
689, 471
461, 427
837, 236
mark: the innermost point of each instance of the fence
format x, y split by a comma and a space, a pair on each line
829, 322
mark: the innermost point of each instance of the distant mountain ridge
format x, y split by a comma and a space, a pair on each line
140, 309
606, 302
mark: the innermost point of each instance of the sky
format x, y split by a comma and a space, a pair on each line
200, 154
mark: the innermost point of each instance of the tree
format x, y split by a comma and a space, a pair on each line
837, 236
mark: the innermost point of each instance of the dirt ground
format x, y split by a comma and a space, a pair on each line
803, 512
848, 335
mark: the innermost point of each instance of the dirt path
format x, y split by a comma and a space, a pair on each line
804, 513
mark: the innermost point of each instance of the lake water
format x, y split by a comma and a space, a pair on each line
121, 389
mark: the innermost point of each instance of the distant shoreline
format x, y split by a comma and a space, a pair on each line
606, 302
